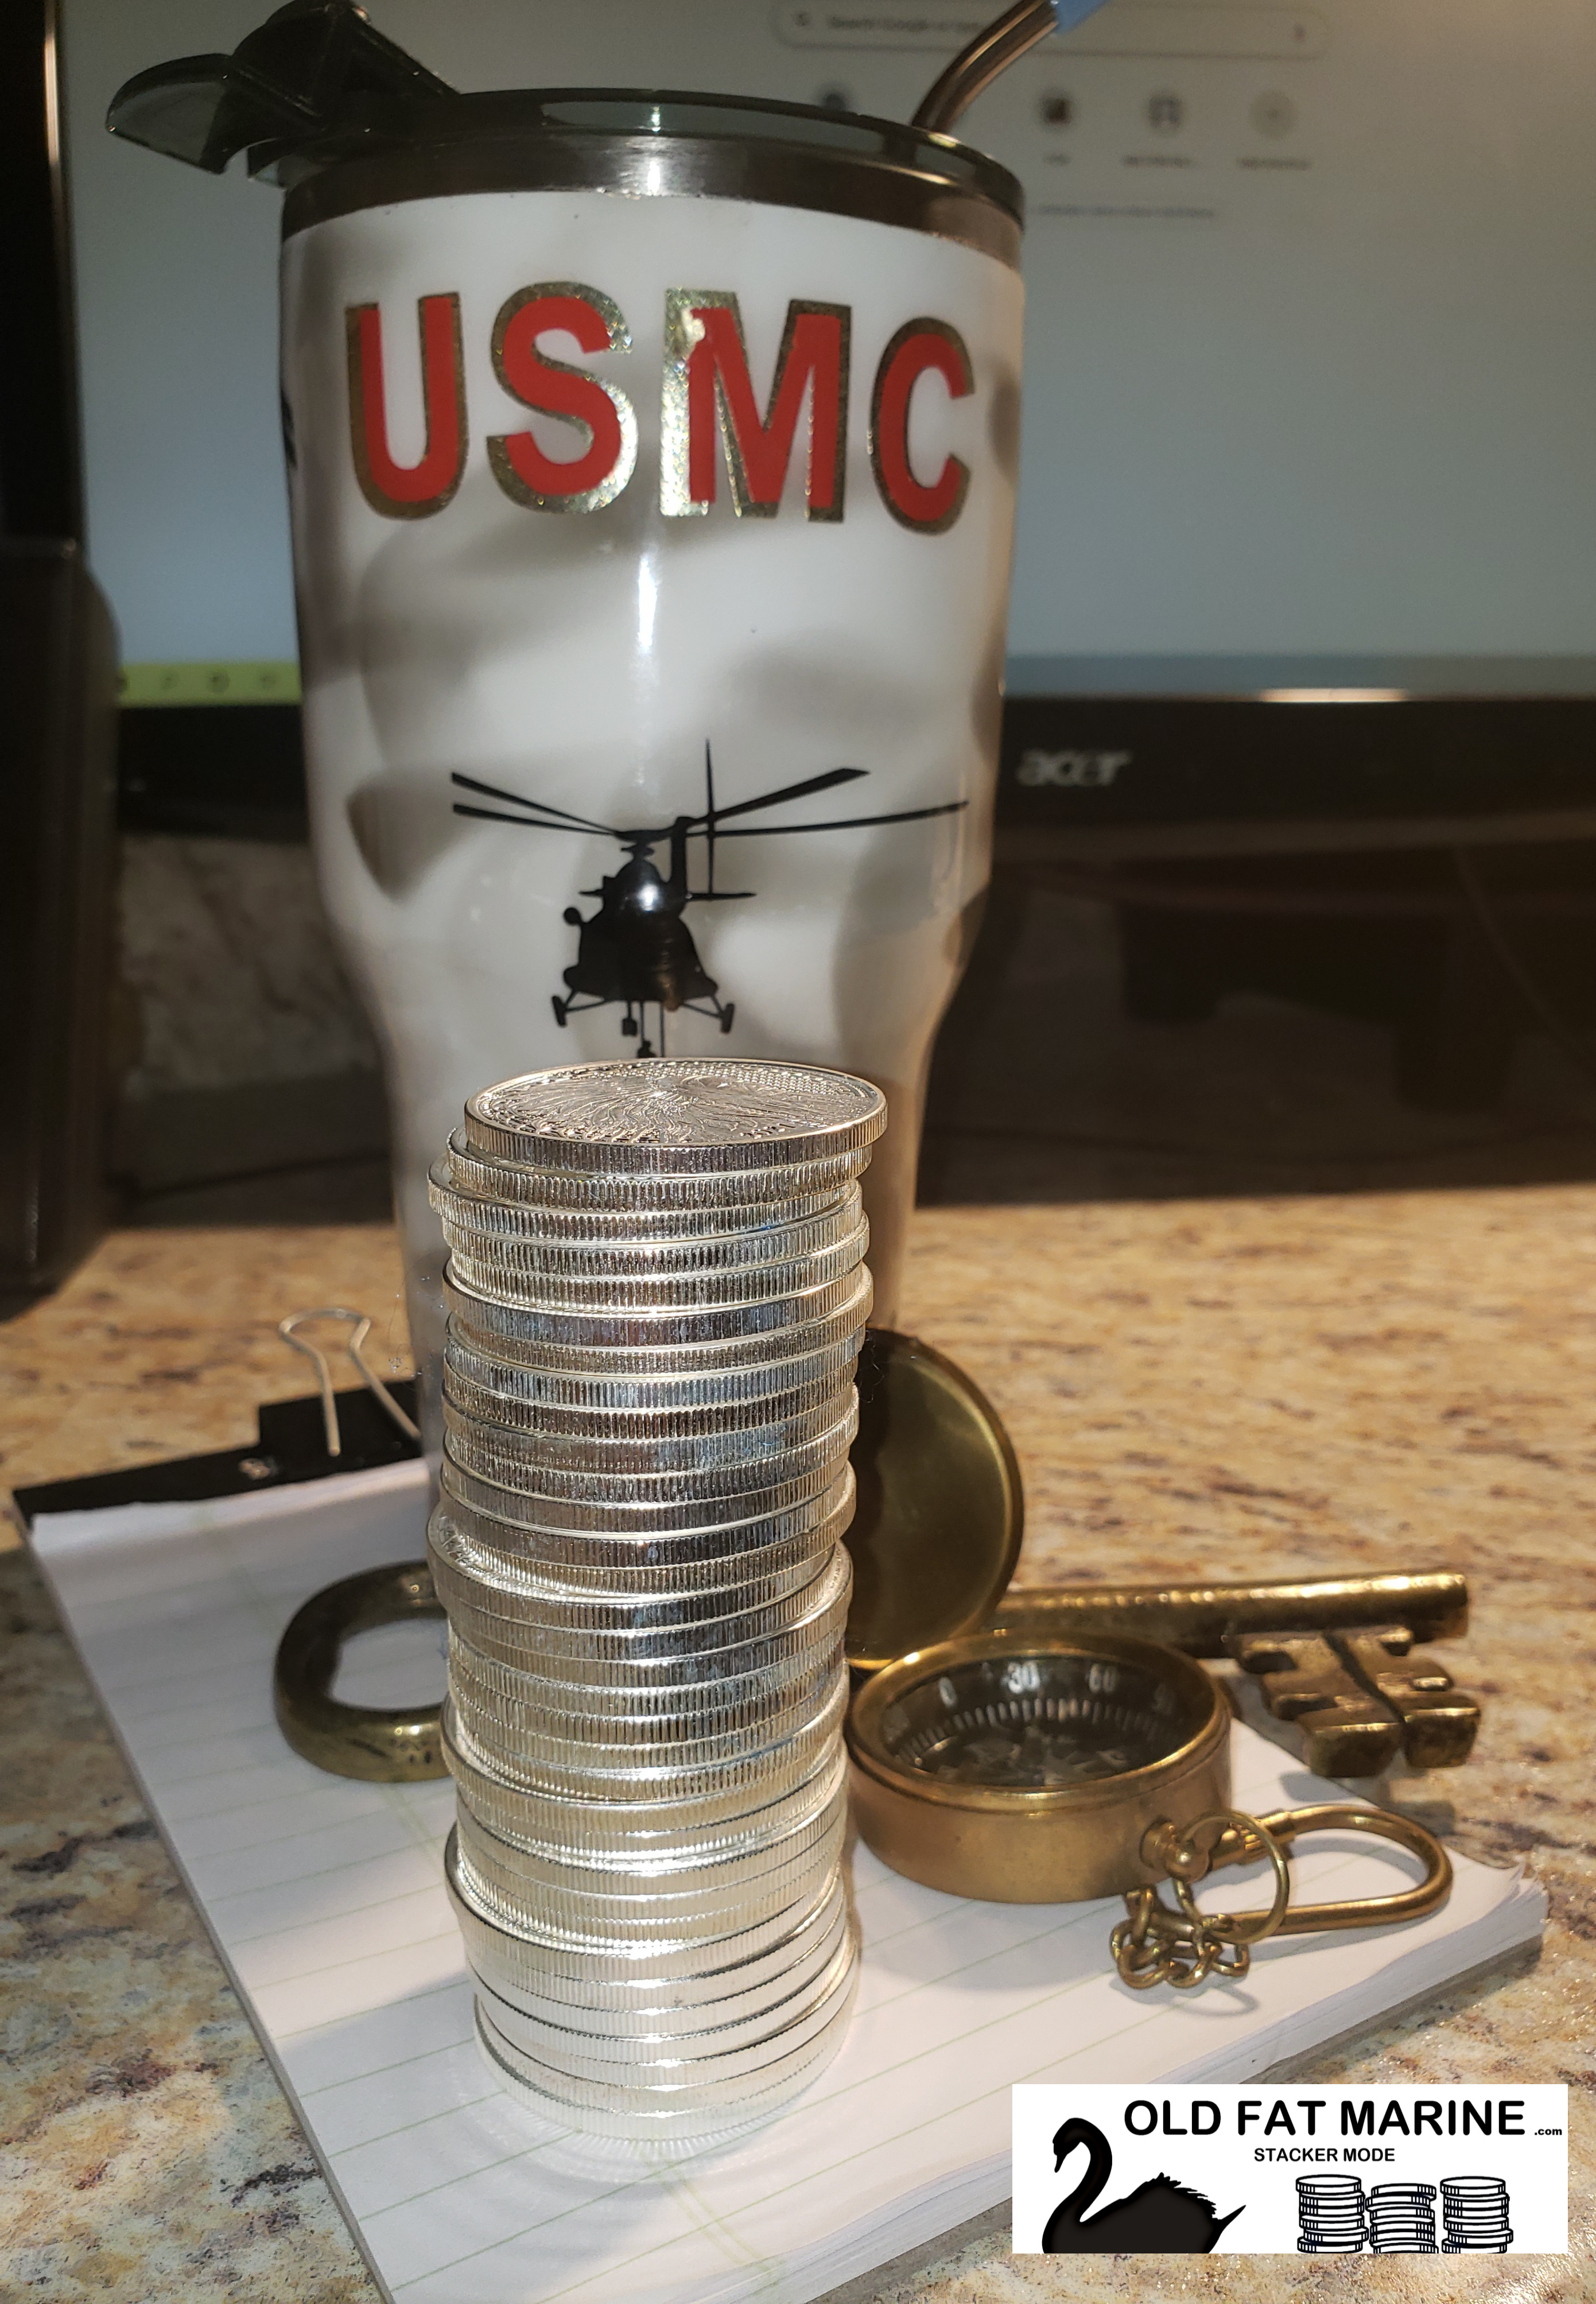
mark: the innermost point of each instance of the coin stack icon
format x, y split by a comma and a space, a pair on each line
657, 1295
1474, 2212
1331, 2215
1402, 2220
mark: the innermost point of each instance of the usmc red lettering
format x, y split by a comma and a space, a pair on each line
597, 476
918, 347
708, 388
407, 491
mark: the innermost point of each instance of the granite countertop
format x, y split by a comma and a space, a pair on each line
1211, 1388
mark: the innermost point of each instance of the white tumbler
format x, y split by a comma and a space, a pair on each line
652, 469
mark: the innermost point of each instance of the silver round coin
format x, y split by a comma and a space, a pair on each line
696, 2113
560, 1532
713, 1719
671, 2128
502, 1585
718, 1449
675, 1113
490, 1619
798, 1722
539, 1881
514, 1461
522, 1408
778, 1552
758, 1238
727, 2053
778, 1650
621, 1830
643, 2007
791, 1303
711, 1390
599, 1929
645, 1976
543, 1205
687, 1660
681, 1785
507, 1701
537, 1340
502, 1269
730, 2016
667, 1195
552, 1839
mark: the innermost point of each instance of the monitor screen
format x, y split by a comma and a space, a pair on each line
1312, 326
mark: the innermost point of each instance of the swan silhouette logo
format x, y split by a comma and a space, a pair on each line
1159, 2218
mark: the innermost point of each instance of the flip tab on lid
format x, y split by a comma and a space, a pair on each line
308, 72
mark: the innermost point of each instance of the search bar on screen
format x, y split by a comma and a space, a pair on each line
1227, 34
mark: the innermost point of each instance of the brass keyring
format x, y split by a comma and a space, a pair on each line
355, 1740
1155, 1945
1190, 1860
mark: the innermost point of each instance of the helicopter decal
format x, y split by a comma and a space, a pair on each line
636, 952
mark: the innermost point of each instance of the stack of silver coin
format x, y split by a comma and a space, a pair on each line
657, 1295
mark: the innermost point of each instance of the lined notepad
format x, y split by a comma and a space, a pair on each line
325, 1898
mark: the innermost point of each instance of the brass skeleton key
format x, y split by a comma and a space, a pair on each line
1359, 1695
1346, 1731
1438, 1721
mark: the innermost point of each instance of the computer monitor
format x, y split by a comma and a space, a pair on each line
1309, 344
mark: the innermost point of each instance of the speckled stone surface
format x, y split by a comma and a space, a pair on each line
1194, 1388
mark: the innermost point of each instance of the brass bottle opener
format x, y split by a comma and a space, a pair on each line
398, 1747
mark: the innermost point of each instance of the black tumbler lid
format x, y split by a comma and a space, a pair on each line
309, 71
323, 104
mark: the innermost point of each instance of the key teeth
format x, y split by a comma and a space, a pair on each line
1346, 1729
1359, 1697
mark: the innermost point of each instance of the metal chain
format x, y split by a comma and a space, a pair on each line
1184, 1947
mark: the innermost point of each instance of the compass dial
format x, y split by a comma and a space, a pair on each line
1037, 1722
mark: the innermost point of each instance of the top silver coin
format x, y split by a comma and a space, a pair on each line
681, 1113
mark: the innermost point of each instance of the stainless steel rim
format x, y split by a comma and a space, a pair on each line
645, 145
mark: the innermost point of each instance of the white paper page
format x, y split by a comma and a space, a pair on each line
326, 1899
